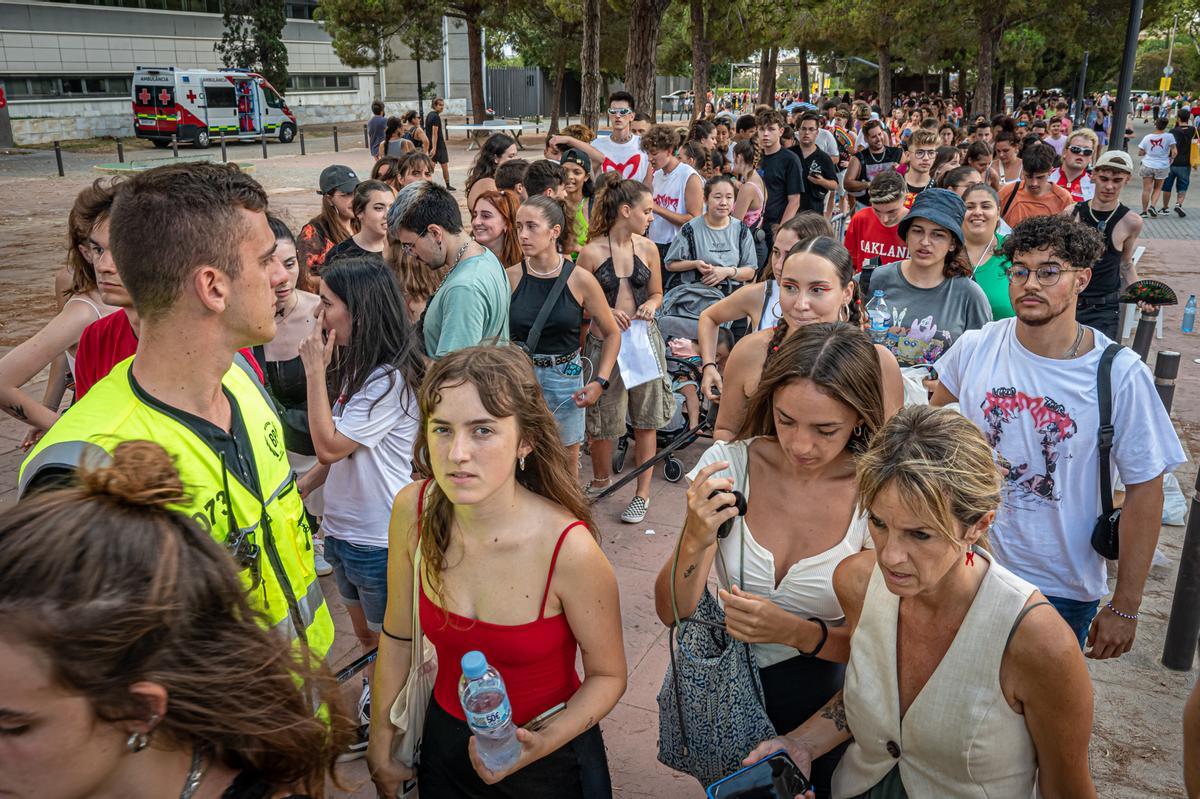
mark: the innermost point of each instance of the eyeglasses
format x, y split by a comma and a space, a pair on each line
620, 112
1046, 275
1077, 150
407, 248
925, 153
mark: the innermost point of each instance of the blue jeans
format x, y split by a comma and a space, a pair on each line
1178, 180
361, 574
1077, 613
559, 385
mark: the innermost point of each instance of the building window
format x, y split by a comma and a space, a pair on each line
320, 83
300, 9
38, 88
199, 6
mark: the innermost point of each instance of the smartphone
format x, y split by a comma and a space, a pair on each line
539, 723
776, 776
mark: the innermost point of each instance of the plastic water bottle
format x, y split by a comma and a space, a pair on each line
879, 316
1189, 315
489, 715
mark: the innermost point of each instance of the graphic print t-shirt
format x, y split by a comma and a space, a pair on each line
1157, 147
867, 237
624, 157
926, 322
1041, 415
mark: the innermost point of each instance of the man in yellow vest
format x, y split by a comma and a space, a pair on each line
193, 248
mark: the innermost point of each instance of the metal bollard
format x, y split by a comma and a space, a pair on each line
302, 151
58, 159
120, 150
263, 138
366, 138
1145, 334
1183, 627
224, 153
1166, 369
335, 141
175, 145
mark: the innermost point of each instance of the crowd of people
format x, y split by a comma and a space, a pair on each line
901, 321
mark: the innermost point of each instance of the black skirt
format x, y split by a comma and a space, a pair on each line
795, 690
578, 770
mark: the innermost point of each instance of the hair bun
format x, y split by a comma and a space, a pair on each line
141, 473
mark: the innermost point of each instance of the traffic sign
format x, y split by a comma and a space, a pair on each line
1168, 70
1164, 84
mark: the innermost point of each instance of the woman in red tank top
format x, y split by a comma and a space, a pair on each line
508, 568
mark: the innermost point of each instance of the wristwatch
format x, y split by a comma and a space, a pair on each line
603, 383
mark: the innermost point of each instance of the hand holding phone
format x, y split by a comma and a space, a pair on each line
776, 776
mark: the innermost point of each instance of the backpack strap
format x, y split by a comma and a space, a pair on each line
1104, 396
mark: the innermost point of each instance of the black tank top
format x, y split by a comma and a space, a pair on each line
560, 335
639, 281
1106, 273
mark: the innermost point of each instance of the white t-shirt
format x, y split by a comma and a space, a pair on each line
1042, 417
807, 588
1157, 148
624, 157
827, 142
669, 189
361, 487
1058, 144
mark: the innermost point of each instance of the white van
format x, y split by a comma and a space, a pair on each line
199, 105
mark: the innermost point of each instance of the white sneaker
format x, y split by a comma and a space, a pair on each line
358, 748
323, 567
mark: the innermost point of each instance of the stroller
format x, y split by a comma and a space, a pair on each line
677, 318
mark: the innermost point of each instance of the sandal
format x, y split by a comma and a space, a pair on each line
592, 490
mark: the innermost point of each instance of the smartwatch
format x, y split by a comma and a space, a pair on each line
603, 383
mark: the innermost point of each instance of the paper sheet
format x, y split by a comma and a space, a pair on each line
637, 359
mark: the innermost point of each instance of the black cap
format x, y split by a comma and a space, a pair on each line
577, 157
338, 178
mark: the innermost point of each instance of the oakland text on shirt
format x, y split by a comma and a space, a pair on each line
882, 249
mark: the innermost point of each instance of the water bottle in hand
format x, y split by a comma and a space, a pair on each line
879, 317
489, 715
1189, 315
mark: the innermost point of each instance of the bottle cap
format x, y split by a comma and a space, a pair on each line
878, 292
474, 664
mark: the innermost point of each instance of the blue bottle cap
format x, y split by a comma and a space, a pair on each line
474, 664
878, 292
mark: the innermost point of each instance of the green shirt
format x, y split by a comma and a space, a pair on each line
991, 278
581, 224
470, 307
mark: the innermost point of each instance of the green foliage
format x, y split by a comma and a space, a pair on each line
362, 30
252, 38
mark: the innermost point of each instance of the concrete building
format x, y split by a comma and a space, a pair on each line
66, 67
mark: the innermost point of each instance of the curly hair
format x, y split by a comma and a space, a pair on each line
659, 138
1074, 242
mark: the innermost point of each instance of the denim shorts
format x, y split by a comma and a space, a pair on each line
361, 574
559, 385
1077, 614
1179, 179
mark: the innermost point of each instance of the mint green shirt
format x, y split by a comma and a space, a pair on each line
470, 307
991, 278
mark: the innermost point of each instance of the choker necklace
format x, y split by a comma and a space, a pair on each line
286, 312
1101, 224
551, 273
1074, 351
194, 776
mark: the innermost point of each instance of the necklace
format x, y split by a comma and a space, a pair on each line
1071, 353
286, 312
1101, 224
875, 160
988, 249
551, 273
195, 774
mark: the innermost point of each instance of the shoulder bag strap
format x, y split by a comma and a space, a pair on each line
1104, 395
535, 332
1008, 203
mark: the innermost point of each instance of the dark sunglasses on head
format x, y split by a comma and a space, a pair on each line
1077, 150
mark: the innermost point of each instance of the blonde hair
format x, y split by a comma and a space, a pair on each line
939, 462
1085, 133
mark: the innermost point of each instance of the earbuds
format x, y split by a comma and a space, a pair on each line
739, 501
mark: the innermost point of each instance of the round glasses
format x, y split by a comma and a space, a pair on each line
1046, 275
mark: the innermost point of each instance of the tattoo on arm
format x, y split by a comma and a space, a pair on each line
17, 410
688, 572
835, 711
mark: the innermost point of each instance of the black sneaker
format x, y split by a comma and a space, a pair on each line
1153, 213
1179, 210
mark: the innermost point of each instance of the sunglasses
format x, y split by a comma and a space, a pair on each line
620, 112
1077, 150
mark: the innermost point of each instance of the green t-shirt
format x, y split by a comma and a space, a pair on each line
991, 278
470, 307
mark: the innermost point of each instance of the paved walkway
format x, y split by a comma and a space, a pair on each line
1136, 748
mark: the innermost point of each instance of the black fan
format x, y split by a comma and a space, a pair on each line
1154, 292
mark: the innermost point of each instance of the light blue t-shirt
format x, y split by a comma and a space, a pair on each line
470, 308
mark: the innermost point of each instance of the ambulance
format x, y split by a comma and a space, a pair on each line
199, 105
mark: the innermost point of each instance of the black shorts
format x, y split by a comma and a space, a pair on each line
442, 156
578, 770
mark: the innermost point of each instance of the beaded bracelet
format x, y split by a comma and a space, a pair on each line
1128, 616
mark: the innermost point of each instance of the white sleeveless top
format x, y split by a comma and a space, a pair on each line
960, 737
770, 310
668, 190
807, 588
99, 315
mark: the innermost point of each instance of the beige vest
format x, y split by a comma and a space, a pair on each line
959, 737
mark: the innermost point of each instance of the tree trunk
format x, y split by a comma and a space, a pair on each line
475, 66
642, 57
589, 62
989, 38
1016, 93
560, 71
805, 86
962, 85
701, 56
885, 81
766, 76
997, 92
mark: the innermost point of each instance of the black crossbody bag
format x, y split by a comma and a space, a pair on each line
1106, 535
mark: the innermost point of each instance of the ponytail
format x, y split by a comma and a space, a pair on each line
556, 212
612, 191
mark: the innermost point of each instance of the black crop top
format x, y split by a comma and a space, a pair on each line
639, 281
560, 335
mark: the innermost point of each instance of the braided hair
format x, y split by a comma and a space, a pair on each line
838, 256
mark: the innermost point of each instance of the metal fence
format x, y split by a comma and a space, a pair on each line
528, 92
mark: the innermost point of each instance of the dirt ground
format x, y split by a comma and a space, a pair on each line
1136, 744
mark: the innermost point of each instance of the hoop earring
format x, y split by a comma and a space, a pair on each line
777, 309
844, 313
521, 462
137, 741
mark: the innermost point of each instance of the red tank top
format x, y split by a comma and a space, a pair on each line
536, 660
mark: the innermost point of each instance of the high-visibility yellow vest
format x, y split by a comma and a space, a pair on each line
275, 538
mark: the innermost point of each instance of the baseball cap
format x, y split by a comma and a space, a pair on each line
1115, 159
941, 207
579, 158
337, 178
